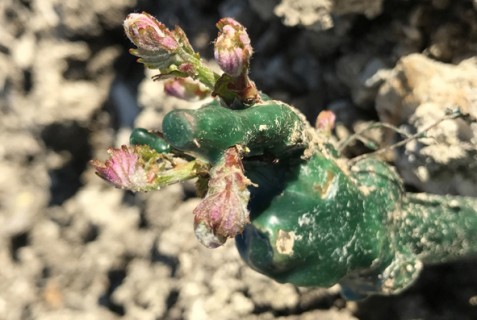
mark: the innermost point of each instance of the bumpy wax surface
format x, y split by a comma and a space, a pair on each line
317, 223
141, 136
266, 128
319, 226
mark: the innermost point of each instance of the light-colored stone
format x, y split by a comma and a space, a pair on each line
313, 14
417, 95
318, 14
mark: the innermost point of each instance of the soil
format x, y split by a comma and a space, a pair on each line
73, 247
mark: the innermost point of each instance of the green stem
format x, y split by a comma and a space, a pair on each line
203, 73
237, 92
181, 172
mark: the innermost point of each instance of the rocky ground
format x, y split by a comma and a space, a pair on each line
72, 247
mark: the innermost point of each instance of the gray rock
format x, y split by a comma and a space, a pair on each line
416, 95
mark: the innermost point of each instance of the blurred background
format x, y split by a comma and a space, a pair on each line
73, 247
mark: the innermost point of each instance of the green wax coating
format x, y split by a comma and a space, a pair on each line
269, 127
438, 228
141, 136
320, 227
317, 223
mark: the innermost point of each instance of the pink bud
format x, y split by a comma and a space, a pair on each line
149, 34
223, 212
141, 168
325, 121
185, 88
123, 169
232, 49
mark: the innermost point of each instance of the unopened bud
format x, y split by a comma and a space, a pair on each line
185, 88
141, 168
223, 212
149, 34
232, 49
325, 121
123, 169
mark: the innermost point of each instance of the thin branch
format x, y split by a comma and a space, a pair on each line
359, 135
450, 114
